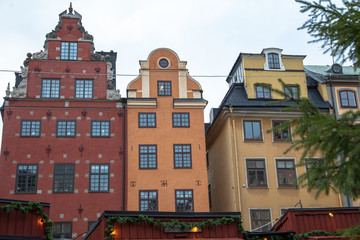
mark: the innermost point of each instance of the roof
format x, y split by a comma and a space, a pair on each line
324, 69
323, 73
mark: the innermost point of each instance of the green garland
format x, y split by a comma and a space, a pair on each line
316, 233
32, 206
157, 223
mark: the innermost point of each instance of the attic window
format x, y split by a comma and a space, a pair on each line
273, 61
68, 51
163, 63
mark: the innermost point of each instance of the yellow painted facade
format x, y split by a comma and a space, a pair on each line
229, 151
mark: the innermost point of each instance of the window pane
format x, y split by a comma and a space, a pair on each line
257, 133
248, 130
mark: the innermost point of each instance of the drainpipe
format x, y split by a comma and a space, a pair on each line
236, 168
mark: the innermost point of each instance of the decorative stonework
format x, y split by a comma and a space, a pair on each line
96, 57
113, 94
20, 91
40, 55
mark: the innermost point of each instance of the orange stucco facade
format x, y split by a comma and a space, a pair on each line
182, 95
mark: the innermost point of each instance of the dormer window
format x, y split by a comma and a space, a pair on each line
273, 61
68, 51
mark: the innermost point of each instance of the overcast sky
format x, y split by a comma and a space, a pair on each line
208, 34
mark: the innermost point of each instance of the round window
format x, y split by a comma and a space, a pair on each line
164, 63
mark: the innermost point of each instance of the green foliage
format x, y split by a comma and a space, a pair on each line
32, 206
316, 233
338, 28
354, 231
172, 223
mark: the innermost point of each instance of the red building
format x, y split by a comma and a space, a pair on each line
63, 130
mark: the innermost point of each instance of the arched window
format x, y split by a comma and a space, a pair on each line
273, 61
347, 99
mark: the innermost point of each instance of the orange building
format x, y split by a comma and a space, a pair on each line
166, 138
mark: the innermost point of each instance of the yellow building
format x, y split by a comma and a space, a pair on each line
247, 168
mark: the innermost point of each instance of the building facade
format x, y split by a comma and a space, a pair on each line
63, 127
248, 171
166, 138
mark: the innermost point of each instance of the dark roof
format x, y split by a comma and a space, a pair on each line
4, 200
113, 56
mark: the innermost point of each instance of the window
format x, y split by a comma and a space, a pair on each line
252, 130
100, 128
148, 200
209, 191
66, 128
207, 160
256, 173
50, 88
99, 177
260, 217
164, 88
84, 88
62, 230
184, 200
180, 120
286, 173
26, 178
182, 155
347, 99
148, 156
263, 92
273, 61
314, 165
64, 177
147, 119
283, 211
30, 128
280, 135
163, 63
68, 51
292, 91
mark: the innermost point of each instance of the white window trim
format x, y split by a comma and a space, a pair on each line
277, 180
278, 51
272, 133
266, 172
259, 209
243, 129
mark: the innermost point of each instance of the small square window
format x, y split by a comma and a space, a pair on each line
99, 177
147, 156
100, 128
50, 88
64, 177
256, 172
280, 135
148, 200
30, 128
68, 51
164, 88
147, 120
263, 92
260, 217
286, 173
182, 155
66, 128
62, 230
252, 130
84, 88
180, 120
26, 178
184, 201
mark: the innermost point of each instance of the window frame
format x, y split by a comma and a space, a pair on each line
27, 176
267, 227
257, 185
148, 200
51, 90
147, 154
263, 88
252, 129
99, 179
62, 235
101, 127
68, 51
273, 63
184, 198
64, 174
181, 114
347, 98
84, 93
31, 122
182, 155
67, 121
289, 170
164, 94
147, 119
282, 139
292, 87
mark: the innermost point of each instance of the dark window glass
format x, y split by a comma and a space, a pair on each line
99, 177
62, 230
164, 88
292, 91
181, 120
207, 160
100, 128
66, 128
148, 200
164, 63
286, 173
260, 217
50, 88
252, 130
184, 200
148, 156
209, 191
64, 177
280, 135
26, 178
182, 155
84, 88
30, 128
263, 92
273, 60
256, 172
347, 99
147, 119
68, 51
